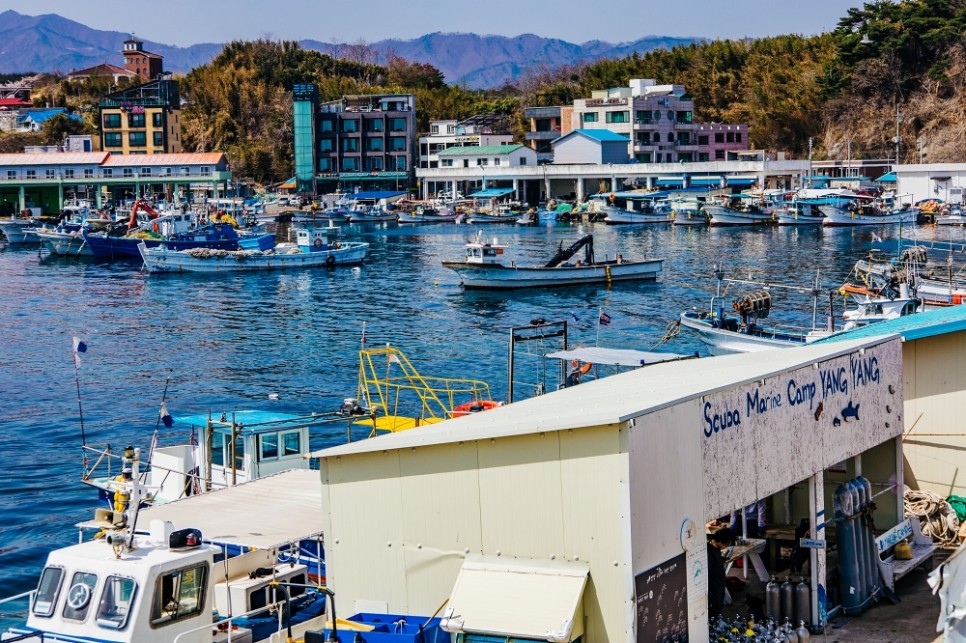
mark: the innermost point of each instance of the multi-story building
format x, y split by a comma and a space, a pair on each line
484, 130
144, 64
658, 121
364, 141
144, 119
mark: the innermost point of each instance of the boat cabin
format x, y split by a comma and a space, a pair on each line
314, 240
482, 253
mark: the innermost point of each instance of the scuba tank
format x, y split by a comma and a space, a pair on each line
788, 598
803, 607
802, 632
773, 606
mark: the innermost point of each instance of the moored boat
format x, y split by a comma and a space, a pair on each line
63, 242
861, 209
689, 212
747, 208
631, 208
484, 268
312, 250
20, 230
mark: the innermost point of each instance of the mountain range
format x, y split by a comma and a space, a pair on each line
52, 43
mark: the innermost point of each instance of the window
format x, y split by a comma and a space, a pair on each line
684, 138
400, 163
179, 594
350, 145
68, 174
158, 139
482, 161
31, 174
684, 117
434, 130
397, 124
397, 144
670, 115
137, 139
326, 126
703, 139
657, 115
157, 119
496, 161
145, 171
326, 165
112, 139
167, 171
737, 137
375, 125
239, 451
79, 595
184, 171
446, 163
523, 160
218, 450
47, 591
657, 137
291, 443
205, 170
326, 145
268, 446
643, 115
135, 120
590, 117
374, 144
128, 171
731, 137
116, 601
644, 138
107, 173
112, 120
51, 174
89, 173
11, 175
350, 126
703, 157
350, 165
617, 117
375, 164
719, 137
719, 155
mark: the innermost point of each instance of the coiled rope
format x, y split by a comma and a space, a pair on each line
937, 518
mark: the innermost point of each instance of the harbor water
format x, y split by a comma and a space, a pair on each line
289, 341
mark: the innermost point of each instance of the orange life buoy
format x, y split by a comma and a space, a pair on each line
154, 226
474, 407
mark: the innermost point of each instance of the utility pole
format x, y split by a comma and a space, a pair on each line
898, 139
810, 162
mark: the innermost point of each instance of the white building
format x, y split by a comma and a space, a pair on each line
932, 180
480, 131
581, 513
591, 146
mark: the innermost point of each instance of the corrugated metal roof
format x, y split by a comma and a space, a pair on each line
931, 323
54, 158
600, 135
479, 150
490, 193
610, 400
184, 158
255, 514
887, 178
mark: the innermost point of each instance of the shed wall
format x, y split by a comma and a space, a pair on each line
579, 149
934, 371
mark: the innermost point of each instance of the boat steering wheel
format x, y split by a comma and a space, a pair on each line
78, 596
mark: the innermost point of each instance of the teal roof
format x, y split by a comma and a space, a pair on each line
887, 178
492, 193
479, 150
602, 135
940, 321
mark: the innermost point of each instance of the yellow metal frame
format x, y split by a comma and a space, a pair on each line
390, 386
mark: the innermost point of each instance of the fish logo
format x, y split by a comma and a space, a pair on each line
818, 410
851, 411
836, 422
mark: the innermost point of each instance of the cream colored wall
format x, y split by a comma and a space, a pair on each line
934, 444
398, 524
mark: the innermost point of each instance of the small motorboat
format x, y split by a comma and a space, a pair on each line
484, 267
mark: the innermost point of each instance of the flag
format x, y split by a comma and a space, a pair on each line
604, 318
876, 238
166, 418
79, 347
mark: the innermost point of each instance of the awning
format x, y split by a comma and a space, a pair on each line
940, 178
533, 599
733, 181
705, 181
256, 514
492, 193
614, 356
377, 195
676, 181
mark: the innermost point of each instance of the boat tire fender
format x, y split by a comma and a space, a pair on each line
317, 243
330, 262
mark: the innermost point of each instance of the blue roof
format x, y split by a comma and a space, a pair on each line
492, 193
940, 321
44, 115
695, 180
887, 178
602, 135
679, 181
374, 195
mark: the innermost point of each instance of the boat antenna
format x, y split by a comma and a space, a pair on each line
719, 275
162, 415
80, 347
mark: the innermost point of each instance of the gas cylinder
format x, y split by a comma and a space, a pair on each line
788, 598
861, 548
872, 578
803, 606
802, 633
773, 606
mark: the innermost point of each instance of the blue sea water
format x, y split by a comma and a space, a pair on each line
289, 341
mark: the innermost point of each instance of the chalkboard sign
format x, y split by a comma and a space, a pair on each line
662, 602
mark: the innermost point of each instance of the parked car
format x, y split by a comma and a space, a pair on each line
282, 200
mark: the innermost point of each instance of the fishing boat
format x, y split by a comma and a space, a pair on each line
413, 212
501, 213
805, 207
863, 209
312, 250
746, 208
371, 213
623, 208
742, 330
149, 576
689, 212
937, 284
950, 215
62, 242
484, 267
22, 229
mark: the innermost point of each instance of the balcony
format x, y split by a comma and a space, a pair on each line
542, 136
541, 112
606, 102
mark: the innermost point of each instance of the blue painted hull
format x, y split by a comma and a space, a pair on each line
220, 237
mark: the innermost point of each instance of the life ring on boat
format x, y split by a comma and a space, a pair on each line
474, 407
330, 262
613, 197
154, 226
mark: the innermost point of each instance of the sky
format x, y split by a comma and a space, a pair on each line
187, 22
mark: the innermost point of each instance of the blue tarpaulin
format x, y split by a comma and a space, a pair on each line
492, 193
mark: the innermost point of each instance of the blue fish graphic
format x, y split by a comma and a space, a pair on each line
851, 411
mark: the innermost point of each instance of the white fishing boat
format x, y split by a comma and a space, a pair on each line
20, 229
313, 250
484, 268
805, 207
689, 212
951, 216
630, 208
747, 208
409, 212
861, 209
62, 242
151, 574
